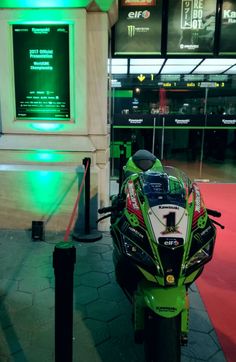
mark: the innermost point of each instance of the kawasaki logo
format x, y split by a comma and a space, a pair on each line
182, 121
139, 14
229, 121
229, 14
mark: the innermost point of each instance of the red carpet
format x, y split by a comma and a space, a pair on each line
217, 284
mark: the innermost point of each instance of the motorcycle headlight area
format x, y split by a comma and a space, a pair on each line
134, 251
201, 257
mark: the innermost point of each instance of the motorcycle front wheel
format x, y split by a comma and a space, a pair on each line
162, 338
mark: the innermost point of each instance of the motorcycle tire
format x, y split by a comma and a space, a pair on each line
162, 338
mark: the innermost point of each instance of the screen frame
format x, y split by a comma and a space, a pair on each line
70, 67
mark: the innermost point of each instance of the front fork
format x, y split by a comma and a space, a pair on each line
141, 302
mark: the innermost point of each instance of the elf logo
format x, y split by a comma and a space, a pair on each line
139, 14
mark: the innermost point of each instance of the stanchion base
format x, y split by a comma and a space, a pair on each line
94, 235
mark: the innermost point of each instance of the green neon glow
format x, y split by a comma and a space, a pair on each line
123, 93
104, 5
42, 197
46, 127
45, 156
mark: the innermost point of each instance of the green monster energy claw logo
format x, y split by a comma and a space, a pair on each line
131, 30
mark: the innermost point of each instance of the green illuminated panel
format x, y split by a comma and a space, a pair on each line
123, 93
41, 68
103, 4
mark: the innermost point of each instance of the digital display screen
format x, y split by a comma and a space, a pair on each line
41, 71
191, 26
138, 30
228, 28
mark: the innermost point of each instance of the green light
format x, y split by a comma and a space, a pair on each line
41, 191
45, 156
46, 127
104, 5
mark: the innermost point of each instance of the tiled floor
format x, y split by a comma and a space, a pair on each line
102, 315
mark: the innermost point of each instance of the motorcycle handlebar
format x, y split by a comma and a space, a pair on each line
104, 210
213, 213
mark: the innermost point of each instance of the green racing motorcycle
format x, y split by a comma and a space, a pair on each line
162, 238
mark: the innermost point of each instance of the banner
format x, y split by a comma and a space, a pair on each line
228, 28
138, 30
185, 121
41, 69
191, 26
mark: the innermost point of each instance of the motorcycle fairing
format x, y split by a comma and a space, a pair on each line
166, 302
170, 221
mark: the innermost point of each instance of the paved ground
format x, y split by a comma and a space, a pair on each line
102, 322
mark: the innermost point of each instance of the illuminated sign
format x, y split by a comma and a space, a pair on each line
228, 28
104, 5
191, 26
41, 70
141, 77
138, 2
138, 30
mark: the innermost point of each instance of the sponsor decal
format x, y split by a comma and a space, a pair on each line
132, 195
197, 200
145, 14
206, 231
166, 309
170, 230
169, 207
171, 242
138, 3
170, 279
136, 232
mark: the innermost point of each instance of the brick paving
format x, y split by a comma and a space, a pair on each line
102, 327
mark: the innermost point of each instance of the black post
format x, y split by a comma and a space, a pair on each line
87, 196
64, 257
88, 235
122, 162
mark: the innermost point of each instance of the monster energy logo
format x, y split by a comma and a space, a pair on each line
131, 30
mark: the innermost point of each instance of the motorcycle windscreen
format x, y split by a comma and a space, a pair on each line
167, 195
163, 188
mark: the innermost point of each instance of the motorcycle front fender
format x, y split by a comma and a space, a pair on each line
166, 302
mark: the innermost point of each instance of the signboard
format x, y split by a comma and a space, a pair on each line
185, 121
191, 26
138, 30
136, 120
228, 28
214, 120
151, 81
41, 70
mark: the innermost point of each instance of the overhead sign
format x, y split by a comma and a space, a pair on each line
191, 26
228, 28
138, 30
104, 5
41, 70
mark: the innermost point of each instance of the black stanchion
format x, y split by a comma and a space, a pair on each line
88, 235
64, 257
